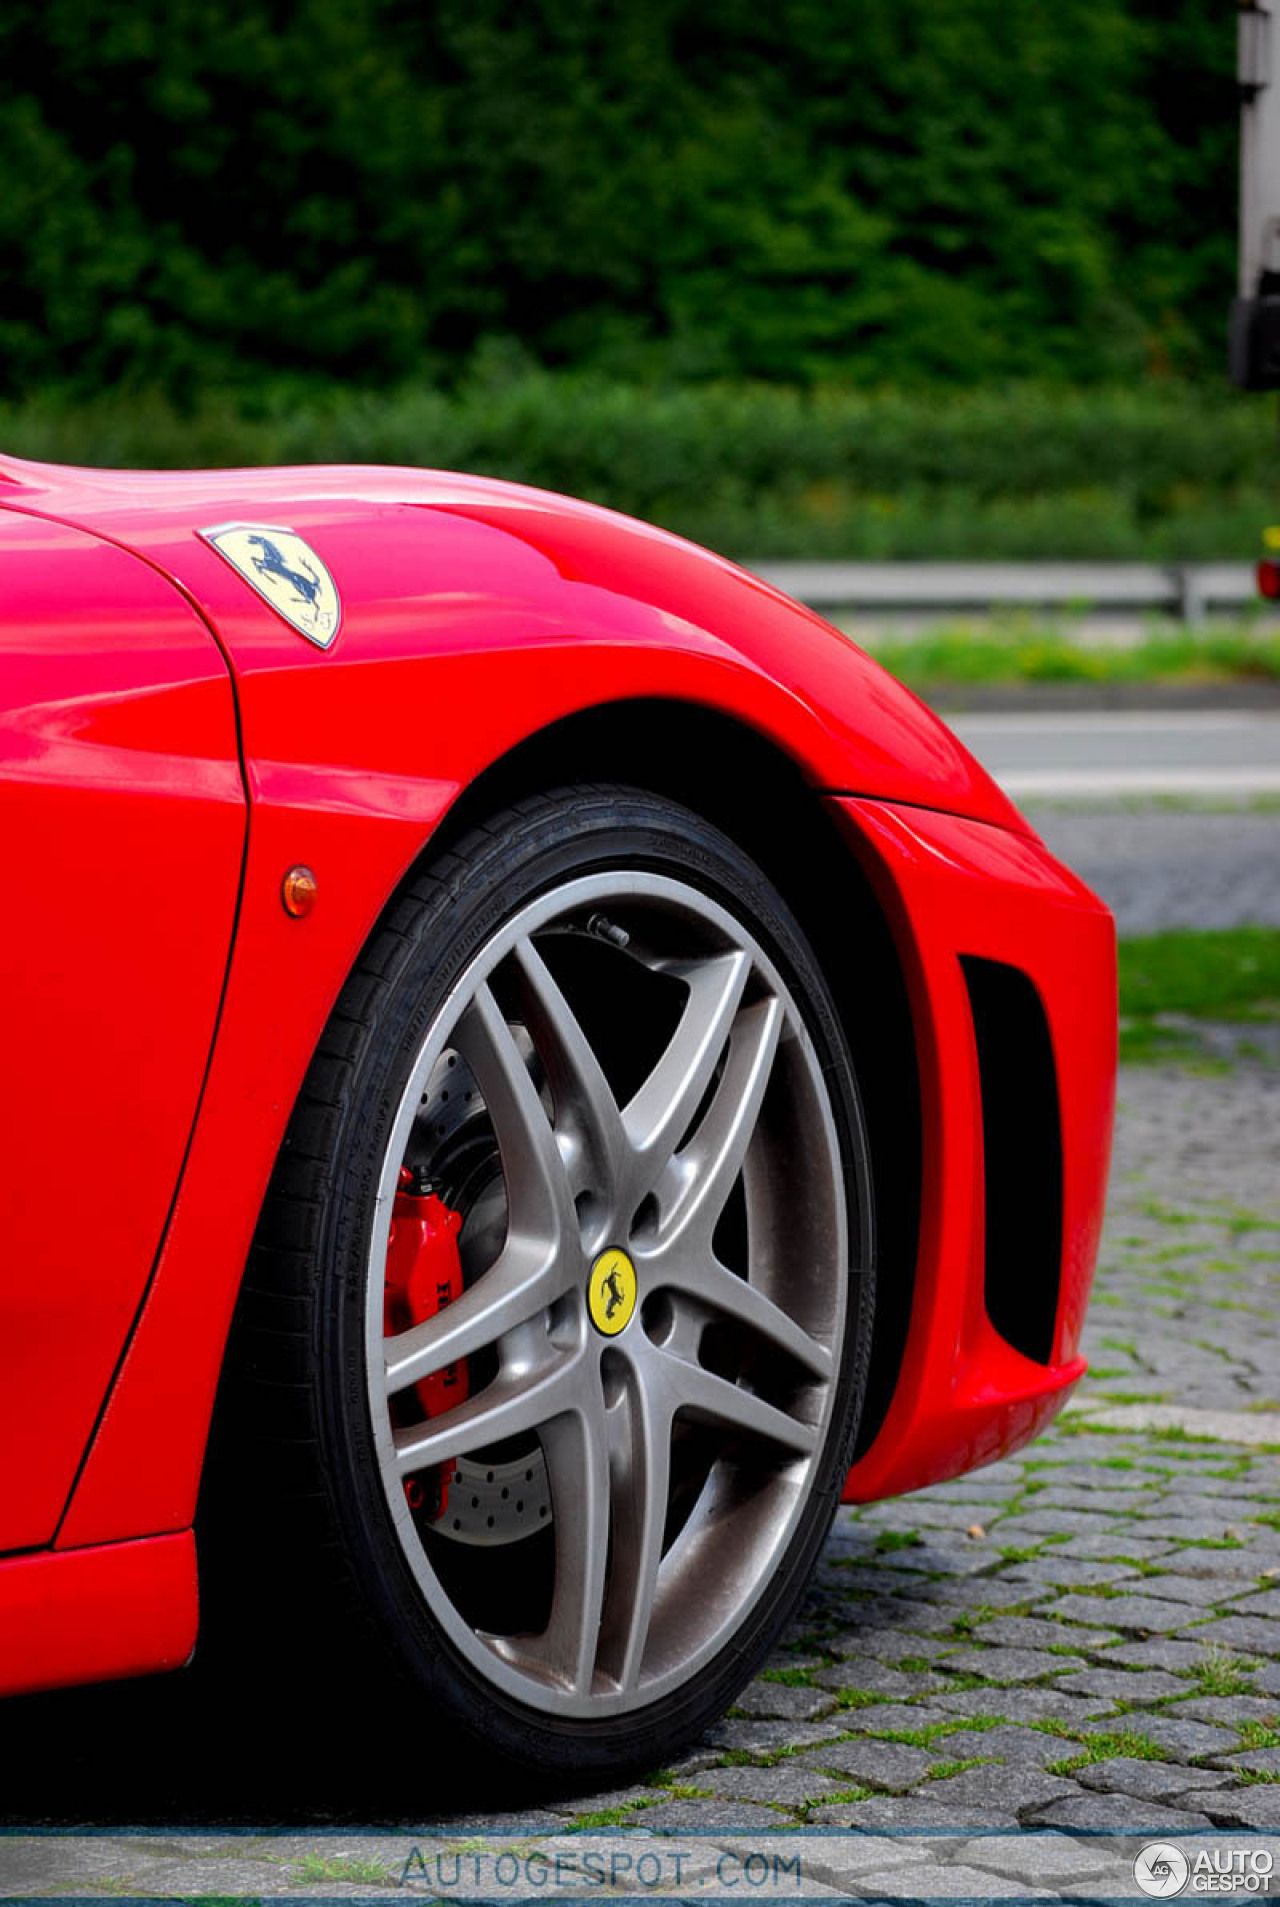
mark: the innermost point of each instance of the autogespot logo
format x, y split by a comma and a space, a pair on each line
1239, 1872
1162, 1870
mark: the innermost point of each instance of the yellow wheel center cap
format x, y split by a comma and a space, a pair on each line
611, 1292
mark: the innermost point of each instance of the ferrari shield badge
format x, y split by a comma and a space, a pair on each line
286, 572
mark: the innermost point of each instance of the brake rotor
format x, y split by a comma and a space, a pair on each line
491, 1503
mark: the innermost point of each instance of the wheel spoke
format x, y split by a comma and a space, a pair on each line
660, 1113
712, 1285
715, 1400
641, 1482
713, 1158
583, 1097
538, 1201
577, 1458
521, 1283
509, 1407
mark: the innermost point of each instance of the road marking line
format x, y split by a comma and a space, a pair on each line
1023, 782
1109, 721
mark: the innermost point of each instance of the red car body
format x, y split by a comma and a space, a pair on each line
170, 747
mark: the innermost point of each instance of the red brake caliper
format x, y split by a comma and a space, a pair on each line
424, 1274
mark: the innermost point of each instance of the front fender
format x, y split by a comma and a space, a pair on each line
475, 616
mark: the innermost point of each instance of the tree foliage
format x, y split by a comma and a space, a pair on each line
375, 190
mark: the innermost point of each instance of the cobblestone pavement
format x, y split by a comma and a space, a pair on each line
1085, 1636
1159, 867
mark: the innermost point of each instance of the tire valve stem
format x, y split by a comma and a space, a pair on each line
604, 929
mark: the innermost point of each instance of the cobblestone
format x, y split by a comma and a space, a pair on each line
754, 1737
1128, 1685
1201, 1590
1147, 1780
890, 1765
1161, 1652
1003, 1665
789, 1783
1252, 1633
1017, 1789
1026, 1704
1239, 1808
780, 1701
1178, 1739
1180, 1652
1033, 1633
867, 1677
1114, 1811
1231, 1711
1141, 1613
1007, 1742
894, 1718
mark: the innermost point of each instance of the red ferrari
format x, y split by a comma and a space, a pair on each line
580, 1071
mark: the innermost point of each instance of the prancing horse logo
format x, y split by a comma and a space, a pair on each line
615, 1296
611, 1292
286, 573
270, 563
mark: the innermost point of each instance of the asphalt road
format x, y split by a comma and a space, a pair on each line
1099, 753
1159, 868
1152, 808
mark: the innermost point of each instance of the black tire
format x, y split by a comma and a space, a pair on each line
294, 1472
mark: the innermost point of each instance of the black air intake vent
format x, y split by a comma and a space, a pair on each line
1022, 1155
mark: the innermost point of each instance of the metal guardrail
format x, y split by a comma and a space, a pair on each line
1186, 589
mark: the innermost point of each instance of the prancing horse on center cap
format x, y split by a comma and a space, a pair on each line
611, 1293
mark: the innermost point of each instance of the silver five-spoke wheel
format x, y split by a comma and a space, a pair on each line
663, 1295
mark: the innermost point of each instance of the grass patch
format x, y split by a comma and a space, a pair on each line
856, 1698
343, 1867
1231, 974
1094, 1748
943, 1770
1223, 1674
936, 1731
1018, 646
889, 1540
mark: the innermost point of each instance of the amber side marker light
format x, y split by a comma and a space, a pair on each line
298, 892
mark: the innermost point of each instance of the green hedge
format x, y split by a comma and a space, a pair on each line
367, 189
763, 470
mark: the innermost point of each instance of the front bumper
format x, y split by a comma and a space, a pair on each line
954, 889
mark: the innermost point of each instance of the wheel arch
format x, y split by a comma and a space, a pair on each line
750, 786
737, 776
